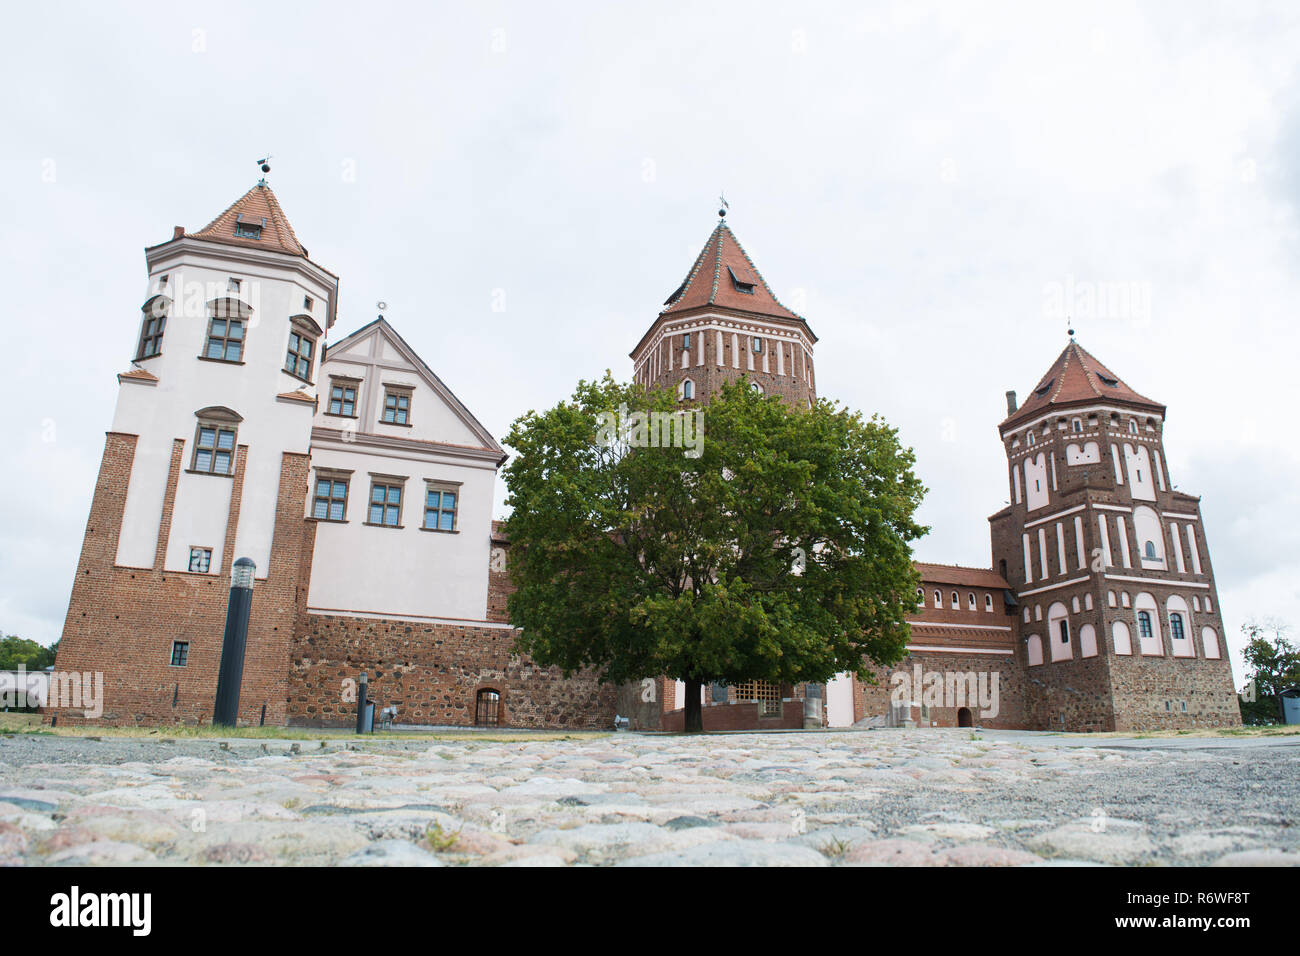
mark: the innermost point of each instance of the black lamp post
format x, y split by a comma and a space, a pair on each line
231, 673
362, 693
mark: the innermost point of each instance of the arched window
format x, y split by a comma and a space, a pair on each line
970, 601
1026, 613
687, 389
487, 708
1144, 625
956, 601
1209, 608
1058, 632
1176, 627
1087, 641
1029, 438
1132, 426
1149, 550
920, 597
988, 602
938, 598
1123, 598
1087, 602
756, 387
1210, 641
1196, 603
1035, 649
1110, 598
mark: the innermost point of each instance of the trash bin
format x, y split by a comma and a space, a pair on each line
1290, 699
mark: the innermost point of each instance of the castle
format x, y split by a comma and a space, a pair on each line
361, 488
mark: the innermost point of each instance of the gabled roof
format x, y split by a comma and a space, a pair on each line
382, 327
258, 208
723, 275
1076, 377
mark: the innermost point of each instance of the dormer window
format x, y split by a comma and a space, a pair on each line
248, 230
741, 280
1045, 387
1109, 382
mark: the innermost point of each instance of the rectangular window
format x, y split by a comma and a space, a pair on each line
686, 340
307, 302
397, 407
180, 653
225, 340
330, 503
440, 509
298, 362
214, 450
200, 559
232, 284
151, 336
386, 504
343, 399
757, 344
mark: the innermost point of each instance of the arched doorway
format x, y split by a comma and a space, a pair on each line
964, 718
487, 708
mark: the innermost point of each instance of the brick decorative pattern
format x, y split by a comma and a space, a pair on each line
122, 621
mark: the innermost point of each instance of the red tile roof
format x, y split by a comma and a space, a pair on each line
717, 275
138, 375
258, 207
962, 576
1076, 377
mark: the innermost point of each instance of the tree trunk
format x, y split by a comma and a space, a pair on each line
694, 712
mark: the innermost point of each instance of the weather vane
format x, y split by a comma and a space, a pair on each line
265, 163
722, 198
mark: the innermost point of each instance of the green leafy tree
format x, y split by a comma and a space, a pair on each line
15, 650
1272, 665
776, 548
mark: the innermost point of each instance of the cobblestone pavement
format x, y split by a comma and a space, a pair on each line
885, 797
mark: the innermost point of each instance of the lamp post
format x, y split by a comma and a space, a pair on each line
363, 690
226, 709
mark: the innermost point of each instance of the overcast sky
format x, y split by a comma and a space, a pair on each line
921, 181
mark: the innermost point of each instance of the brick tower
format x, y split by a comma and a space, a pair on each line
206, 461
1119, 623
723, 322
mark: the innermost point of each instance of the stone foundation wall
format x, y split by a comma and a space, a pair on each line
433, 672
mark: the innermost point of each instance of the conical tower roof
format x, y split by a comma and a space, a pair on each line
724, 276
1077, 378
254, 220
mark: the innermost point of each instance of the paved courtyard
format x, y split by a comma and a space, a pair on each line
885, 797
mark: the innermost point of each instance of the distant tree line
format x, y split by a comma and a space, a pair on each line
1272, 665
15, 650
